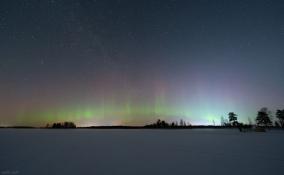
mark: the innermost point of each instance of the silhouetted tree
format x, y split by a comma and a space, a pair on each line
280, 116
56, 125
263, 118
182, 123
158, 123
64, 125
233, 118
164, 124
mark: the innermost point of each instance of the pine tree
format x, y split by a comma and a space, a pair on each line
263, 118
233, 118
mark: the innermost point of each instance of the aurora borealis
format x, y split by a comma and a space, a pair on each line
124, 62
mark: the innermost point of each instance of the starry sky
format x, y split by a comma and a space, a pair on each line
125, 62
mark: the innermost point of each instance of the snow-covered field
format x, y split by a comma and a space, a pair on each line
83, 151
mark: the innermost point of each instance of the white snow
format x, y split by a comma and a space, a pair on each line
87, 151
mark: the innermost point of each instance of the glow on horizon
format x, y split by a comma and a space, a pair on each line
120, 115
111, 103
197, 104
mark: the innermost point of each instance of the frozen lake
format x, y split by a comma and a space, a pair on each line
85, 151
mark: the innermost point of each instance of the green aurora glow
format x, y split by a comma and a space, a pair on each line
113, 62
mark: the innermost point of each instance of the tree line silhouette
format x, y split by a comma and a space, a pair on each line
263, 121
164, 124
62, 125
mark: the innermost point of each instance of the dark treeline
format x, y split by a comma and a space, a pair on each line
62, 125
164, 124
263, 120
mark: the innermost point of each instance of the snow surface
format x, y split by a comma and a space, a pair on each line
86, 151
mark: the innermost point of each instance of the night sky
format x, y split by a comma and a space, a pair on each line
126, 62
